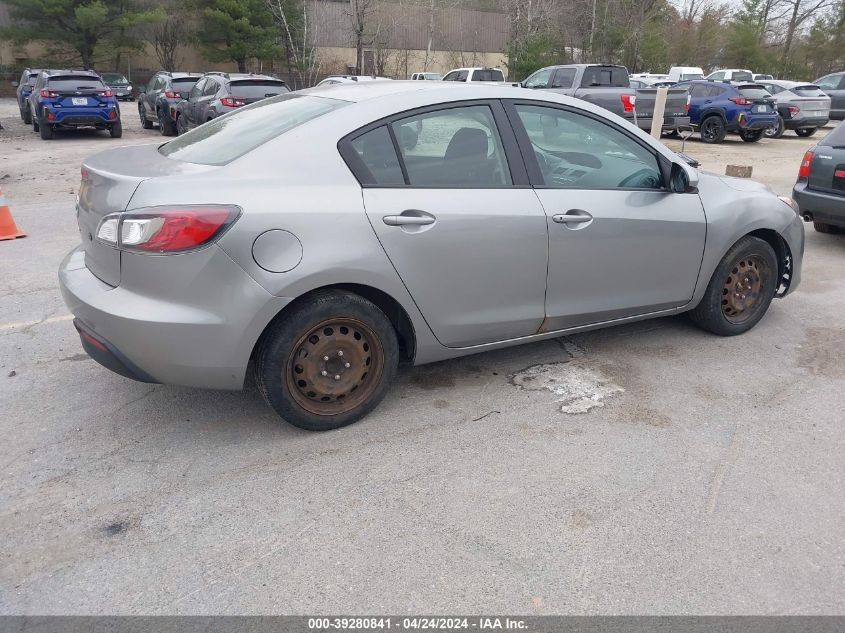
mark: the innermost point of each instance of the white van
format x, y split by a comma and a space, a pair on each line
685, 73
731, 74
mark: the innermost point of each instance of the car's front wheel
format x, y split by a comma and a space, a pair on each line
328, 362
805, 132
46, 130
181, 127
142, 114
165, 124
26, 115
713, 129
740, 290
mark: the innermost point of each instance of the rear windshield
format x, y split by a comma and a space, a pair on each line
232, 135
754, 93
808, 91
488, 75
253, 89
740, 76
614, 76
836, 138
72, 82
185, 82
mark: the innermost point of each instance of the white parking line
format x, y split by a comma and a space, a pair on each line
25, 324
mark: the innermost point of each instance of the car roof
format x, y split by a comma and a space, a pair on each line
179, 74
59, 73
242, 76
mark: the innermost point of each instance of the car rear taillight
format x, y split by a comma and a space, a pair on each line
170, 94
47, 94
741, 100
793, 110
686, 106
105, 93
232, 102
167, 230
628, 102
804, 170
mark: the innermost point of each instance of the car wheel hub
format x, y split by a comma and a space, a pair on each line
335, 366
743, 289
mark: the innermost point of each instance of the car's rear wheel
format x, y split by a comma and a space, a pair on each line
142, 113
165, 124
776, 131
751, 136
181, 127
34, 118
805, 132
821, 227
740, 290
26, 116
116, 129
713, 129
46, 130
328, 362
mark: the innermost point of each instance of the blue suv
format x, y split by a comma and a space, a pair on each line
63, 99
717, 108
24, 89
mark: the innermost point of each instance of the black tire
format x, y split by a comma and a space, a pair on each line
821, 227
181, 127
26, 115
165, 125
290, 365
719, 311
34, 119
751, 136
712, 129
46, 130
142, 113
776, 131
805, 132
116, 129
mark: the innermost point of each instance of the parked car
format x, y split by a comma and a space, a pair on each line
24, 89
834, 87
717, 109
157, 101
475, 74
761, 77
733, 75
801, 107
820, 190
650, 77
426, 77
119, 84
218, 93
304, 234
609, 86
67, 99
685, 73
350, 79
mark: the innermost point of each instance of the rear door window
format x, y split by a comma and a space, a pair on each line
836, 138
564, 77
376, 151
210, 88
256, 89
227, 137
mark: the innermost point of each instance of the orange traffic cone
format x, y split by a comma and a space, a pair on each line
8, 229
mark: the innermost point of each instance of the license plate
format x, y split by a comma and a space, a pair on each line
79, 100
818, 113
760, 108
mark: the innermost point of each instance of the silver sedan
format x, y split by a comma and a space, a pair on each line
323, 237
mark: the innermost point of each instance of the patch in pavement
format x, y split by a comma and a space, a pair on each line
580, 388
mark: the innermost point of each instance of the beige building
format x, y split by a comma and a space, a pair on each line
401, 38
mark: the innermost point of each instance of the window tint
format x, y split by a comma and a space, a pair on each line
828, 83
699, 90
576, 151
754, 93
808, 91
714, 90
210, 88
836, 138
184, 84
488, 74
452, 76
563, 78
71, 82
742, 76
458, 147
540, 79
196, 91
256, 89
227, 137
115, 78
376, 151
605, 76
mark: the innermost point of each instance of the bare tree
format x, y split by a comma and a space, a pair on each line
166, 37
799, 11
300, 52
360, 13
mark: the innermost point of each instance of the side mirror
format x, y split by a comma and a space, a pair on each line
683, 179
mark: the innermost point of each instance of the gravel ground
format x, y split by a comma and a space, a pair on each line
709, 479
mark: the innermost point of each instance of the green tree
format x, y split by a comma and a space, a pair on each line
78, 25
237, 30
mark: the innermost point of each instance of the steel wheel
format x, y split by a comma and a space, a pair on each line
335, 367
743, 288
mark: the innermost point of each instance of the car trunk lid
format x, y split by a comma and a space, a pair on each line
827, 170
109, 180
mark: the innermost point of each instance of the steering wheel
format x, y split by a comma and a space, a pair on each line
648, 179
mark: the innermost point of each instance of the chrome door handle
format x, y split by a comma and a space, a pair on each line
572, 217
400, 220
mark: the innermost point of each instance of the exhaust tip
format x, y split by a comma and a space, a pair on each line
807, 217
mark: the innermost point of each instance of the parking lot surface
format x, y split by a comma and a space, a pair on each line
649, 468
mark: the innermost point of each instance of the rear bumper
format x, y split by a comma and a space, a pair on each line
203, 339
753, 123
669, 123
807, 122
824, 207
82, 117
